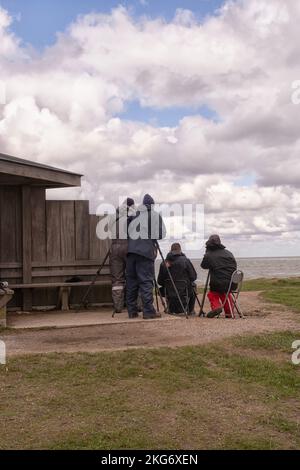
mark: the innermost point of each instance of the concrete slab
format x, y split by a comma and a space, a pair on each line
73, 318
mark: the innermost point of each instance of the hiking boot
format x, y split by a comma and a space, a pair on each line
133, 315
214, 313
151, 316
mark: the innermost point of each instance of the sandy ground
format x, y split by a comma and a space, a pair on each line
97, 331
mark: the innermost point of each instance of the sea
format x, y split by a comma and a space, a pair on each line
255, 268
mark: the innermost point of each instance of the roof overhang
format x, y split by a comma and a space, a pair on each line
17, 171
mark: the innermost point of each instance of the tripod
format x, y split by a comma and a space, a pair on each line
84, 301
201, 313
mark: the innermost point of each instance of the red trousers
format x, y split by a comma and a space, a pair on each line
216, 300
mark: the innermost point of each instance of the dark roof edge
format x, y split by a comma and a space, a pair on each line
22, 161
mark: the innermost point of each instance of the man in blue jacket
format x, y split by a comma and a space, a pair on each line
143, 232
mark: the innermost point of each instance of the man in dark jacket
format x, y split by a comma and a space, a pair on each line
144, 230
181, 269
118, 226
221, 264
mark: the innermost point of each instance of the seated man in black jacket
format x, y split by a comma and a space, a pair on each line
221, 264
181, 269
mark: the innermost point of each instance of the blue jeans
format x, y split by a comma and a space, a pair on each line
139, 279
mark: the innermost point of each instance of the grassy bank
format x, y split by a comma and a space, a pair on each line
242, 393
282, 291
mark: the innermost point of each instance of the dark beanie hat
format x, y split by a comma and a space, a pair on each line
129, 202
148, 200
214, 240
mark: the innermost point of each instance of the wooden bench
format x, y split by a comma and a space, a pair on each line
63, 301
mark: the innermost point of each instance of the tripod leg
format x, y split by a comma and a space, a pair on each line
84, 302
161, 297
201, 313
156, 297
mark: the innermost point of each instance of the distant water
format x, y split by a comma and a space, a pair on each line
255, 268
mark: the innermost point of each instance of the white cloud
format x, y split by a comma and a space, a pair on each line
63, 105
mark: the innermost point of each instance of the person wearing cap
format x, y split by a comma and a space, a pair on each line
143, 232
118, 227
221, 264
181, 269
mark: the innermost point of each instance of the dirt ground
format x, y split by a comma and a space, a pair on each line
169, 331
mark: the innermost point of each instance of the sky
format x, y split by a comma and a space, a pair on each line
189, 100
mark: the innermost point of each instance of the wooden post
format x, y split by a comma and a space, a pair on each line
27, 246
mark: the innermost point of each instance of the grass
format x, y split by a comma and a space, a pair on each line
225, 396
280, 291
270, 284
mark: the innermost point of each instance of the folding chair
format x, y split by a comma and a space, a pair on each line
236, 279
171, 295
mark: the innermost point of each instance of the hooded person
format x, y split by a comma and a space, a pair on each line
181, 269
143, 232
118, 227
221, 264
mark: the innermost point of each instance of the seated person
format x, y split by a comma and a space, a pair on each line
181, 269
221, 264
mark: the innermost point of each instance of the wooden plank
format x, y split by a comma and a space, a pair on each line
8, 225
67, 230
10, 265
69, 272
47, 285
64, 264
27, 244
19, 241
53, 231
10, 273
82, 228
95, 243
38, 208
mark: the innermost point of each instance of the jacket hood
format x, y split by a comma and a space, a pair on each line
125, 210
148, 200
214, 243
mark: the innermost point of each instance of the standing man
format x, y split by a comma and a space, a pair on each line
181, 269
221, 264
144, 230
118, 227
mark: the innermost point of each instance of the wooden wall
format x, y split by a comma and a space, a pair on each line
45, 241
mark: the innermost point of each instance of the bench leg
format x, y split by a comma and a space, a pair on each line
3, 317
63, 299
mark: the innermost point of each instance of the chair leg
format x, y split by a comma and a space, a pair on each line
237, 307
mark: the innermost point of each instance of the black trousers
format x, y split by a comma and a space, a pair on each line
139, 279
174, 304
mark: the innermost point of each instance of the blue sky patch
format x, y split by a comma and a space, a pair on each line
165, 117
246, 180
40, 20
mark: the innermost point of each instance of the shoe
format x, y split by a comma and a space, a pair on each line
214, 313
117, 311
151, 316
133, 315
192, 314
